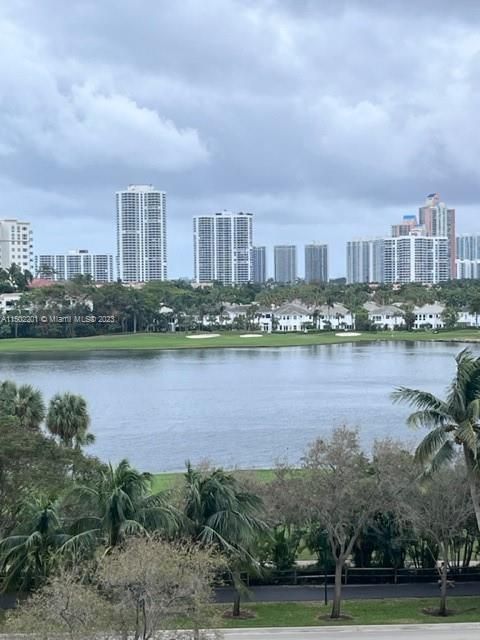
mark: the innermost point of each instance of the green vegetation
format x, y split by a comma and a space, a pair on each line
157, 306
389, 611
172, 480
65, 516
159, 341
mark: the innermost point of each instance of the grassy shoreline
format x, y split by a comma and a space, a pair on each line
168, 341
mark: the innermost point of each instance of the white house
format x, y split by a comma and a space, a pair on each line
265, 319
429, 316
387, 317
295, 316
292, 316
468, 319
8, 301
333, 317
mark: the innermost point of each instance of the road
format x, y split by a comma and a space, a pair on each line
351, 592
468, 631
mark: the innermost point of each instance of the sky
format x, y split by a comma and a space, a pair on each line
327, 119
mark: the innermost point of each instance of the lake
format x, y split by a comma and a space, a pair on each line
237, 407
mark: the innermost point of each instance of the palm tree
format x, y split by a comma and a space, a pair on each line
23, 402
68, 419
117, 504
28, 556
221, 514
454, 422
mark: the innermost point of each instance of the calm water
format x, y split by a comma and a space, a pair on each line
236, 407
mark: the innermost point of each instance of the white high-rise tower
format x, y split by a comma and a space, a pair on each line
141, 234
222, 247
16, 244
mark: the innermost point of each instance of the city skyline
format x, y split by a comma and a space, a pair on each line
274, 138
358, 268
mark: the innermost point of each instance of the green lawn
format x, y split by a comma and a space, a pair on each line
155, 341
367, 612
168, 480
400, 611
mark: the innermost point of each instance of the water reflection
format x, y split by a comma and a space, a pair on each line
242, 407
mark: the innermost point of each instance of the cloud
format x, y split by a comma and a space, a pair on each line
326, 119
72, 122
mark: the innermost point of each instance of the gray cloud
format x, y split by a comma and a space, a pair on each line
327, 119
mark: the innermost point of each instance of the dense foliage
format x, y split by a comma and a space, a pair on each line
156, 305
60, 508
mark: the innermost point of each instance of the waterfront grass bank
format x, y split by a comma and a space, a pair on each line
162, 341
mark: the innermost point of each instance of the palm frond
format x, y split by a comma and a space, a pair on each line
468, 435
431, 444
421, 400
444, 456
428, 418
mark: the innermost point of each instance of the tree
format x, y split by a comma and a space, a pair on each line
29, 554
68, 419
116, 504
24, 403
155, 586
440, 512
222, 514
409, 319
33, 464
474, 307
449, 317
64, 605
341, 496
454, 422
285, 516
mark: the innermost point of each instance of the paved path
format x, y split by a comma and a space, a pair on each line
351, 592
457, 631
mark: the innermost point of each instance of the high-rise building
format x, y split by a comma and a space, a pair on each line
316, 263
468, 256
409, 222
259, 265
365, 261
222, 247
422, 259
285, 263
468, 269
468, 247
65, 266
16, 244
438, 220
141, 234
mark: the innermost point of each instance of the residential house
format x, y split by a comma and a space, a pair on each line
389, 317
334, 317
292, 316
429, 316
8, 301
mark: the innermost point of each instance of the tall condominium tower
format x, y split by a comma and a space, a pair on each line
468, 247
16, 244
404, 228
259, 265
316, 263
365, 261
468, 256
285, 263
65, 266
438, 220
422, 259
222, 247
141, 234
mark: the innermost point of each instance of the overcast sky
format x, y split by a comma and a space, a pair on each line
327, 119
